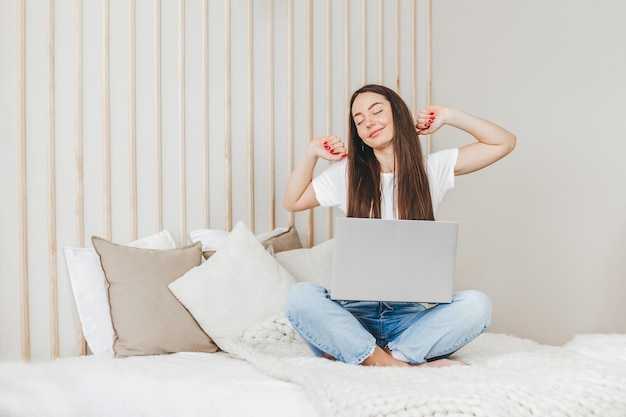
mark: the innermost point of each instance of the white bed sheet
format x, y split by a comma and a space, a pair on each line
181, 384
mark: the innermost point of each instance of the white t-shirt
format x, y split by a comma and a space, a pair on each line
331, 186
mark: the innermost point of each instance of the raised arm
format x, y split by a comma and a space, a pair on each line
493, 141
299, 194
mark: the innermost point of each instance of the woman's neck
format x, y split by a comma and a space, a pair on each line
386, 159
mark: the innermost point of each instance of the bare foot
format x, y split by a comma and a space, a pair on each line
327, 356
440, 363
381, 358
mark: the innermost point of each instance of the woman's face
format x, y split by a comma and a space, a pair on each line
373, 118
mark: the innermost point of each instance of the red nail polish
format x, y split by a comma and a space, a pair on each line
432, 112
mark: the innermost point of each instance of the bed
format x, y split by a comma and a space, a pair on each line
211, 339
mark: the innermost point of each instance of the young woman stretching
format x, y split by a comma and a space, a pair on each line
383, 174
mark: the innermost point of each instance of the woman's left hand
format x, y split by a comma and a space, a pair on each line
430, 119
493, 142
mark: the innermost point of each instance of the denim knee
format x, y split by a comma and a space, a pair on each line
325, 325
300, 296
477, 307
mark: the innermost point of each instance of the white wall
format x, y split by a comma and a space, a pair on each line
543, 232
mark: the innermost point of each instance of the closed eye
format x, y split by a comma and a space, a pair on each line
375, 108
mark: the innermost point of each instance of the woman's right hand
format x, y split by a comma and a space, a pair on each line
299, 193
330, 148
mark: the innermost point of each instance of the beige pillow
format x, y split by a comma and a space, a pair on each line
147, 318
310, 264
284, 241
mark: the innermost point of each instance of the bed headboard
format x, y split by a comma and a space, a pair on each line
127, 118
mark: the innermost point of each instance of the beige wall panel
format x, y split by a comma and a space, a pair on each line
168, 115
542, 232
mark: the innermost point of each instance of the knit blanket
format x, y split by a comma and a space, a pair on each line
505, 376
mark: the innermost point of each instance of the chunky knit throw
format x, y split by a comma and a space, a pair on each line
506, 376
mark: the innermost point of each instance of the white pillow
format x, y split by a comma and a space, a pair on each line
213, 239
237, 287
310, 264
90, 294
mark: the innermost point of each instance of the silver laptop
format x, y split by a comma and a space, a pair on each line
394, 260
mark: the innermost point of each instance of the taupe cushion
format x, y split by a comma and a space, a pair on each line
288, 240
147, 318
285, 241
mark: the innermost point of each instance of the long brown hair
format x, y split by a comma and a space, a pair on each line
411, 181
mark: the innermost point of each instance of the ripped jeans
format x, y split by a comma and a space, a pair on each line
349, 330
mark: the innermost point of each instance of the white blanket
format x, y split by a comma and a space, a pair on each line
177, 385
506, 376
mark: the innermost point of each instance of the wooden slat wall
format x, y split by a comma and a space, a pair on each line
79, 192
171, 126
21, 182
52, 233
158, 118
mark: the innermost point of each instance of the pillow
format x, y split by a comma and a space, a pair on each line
280, 239
288, 240
146, 317
90, 295
237, 287
314, 264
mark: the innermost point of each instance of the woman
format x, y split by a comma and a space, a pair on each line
383, 174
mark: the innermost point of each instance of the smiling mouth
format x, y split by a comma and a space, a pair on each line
375, 133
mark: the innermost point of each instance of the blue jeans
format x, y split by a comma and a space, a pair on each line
349, 330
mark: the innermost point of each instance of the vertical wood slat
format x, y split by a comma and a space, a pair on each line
132, 119
250, 94
381, 42
429, 52
270, 115
398, 46
346, 62
414, 108
309, 52
205, 111
364, 40
106, 120
181, 125
21, 186
78, 142
227, 117
158, 137
290, 94
329, 99
52, 242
